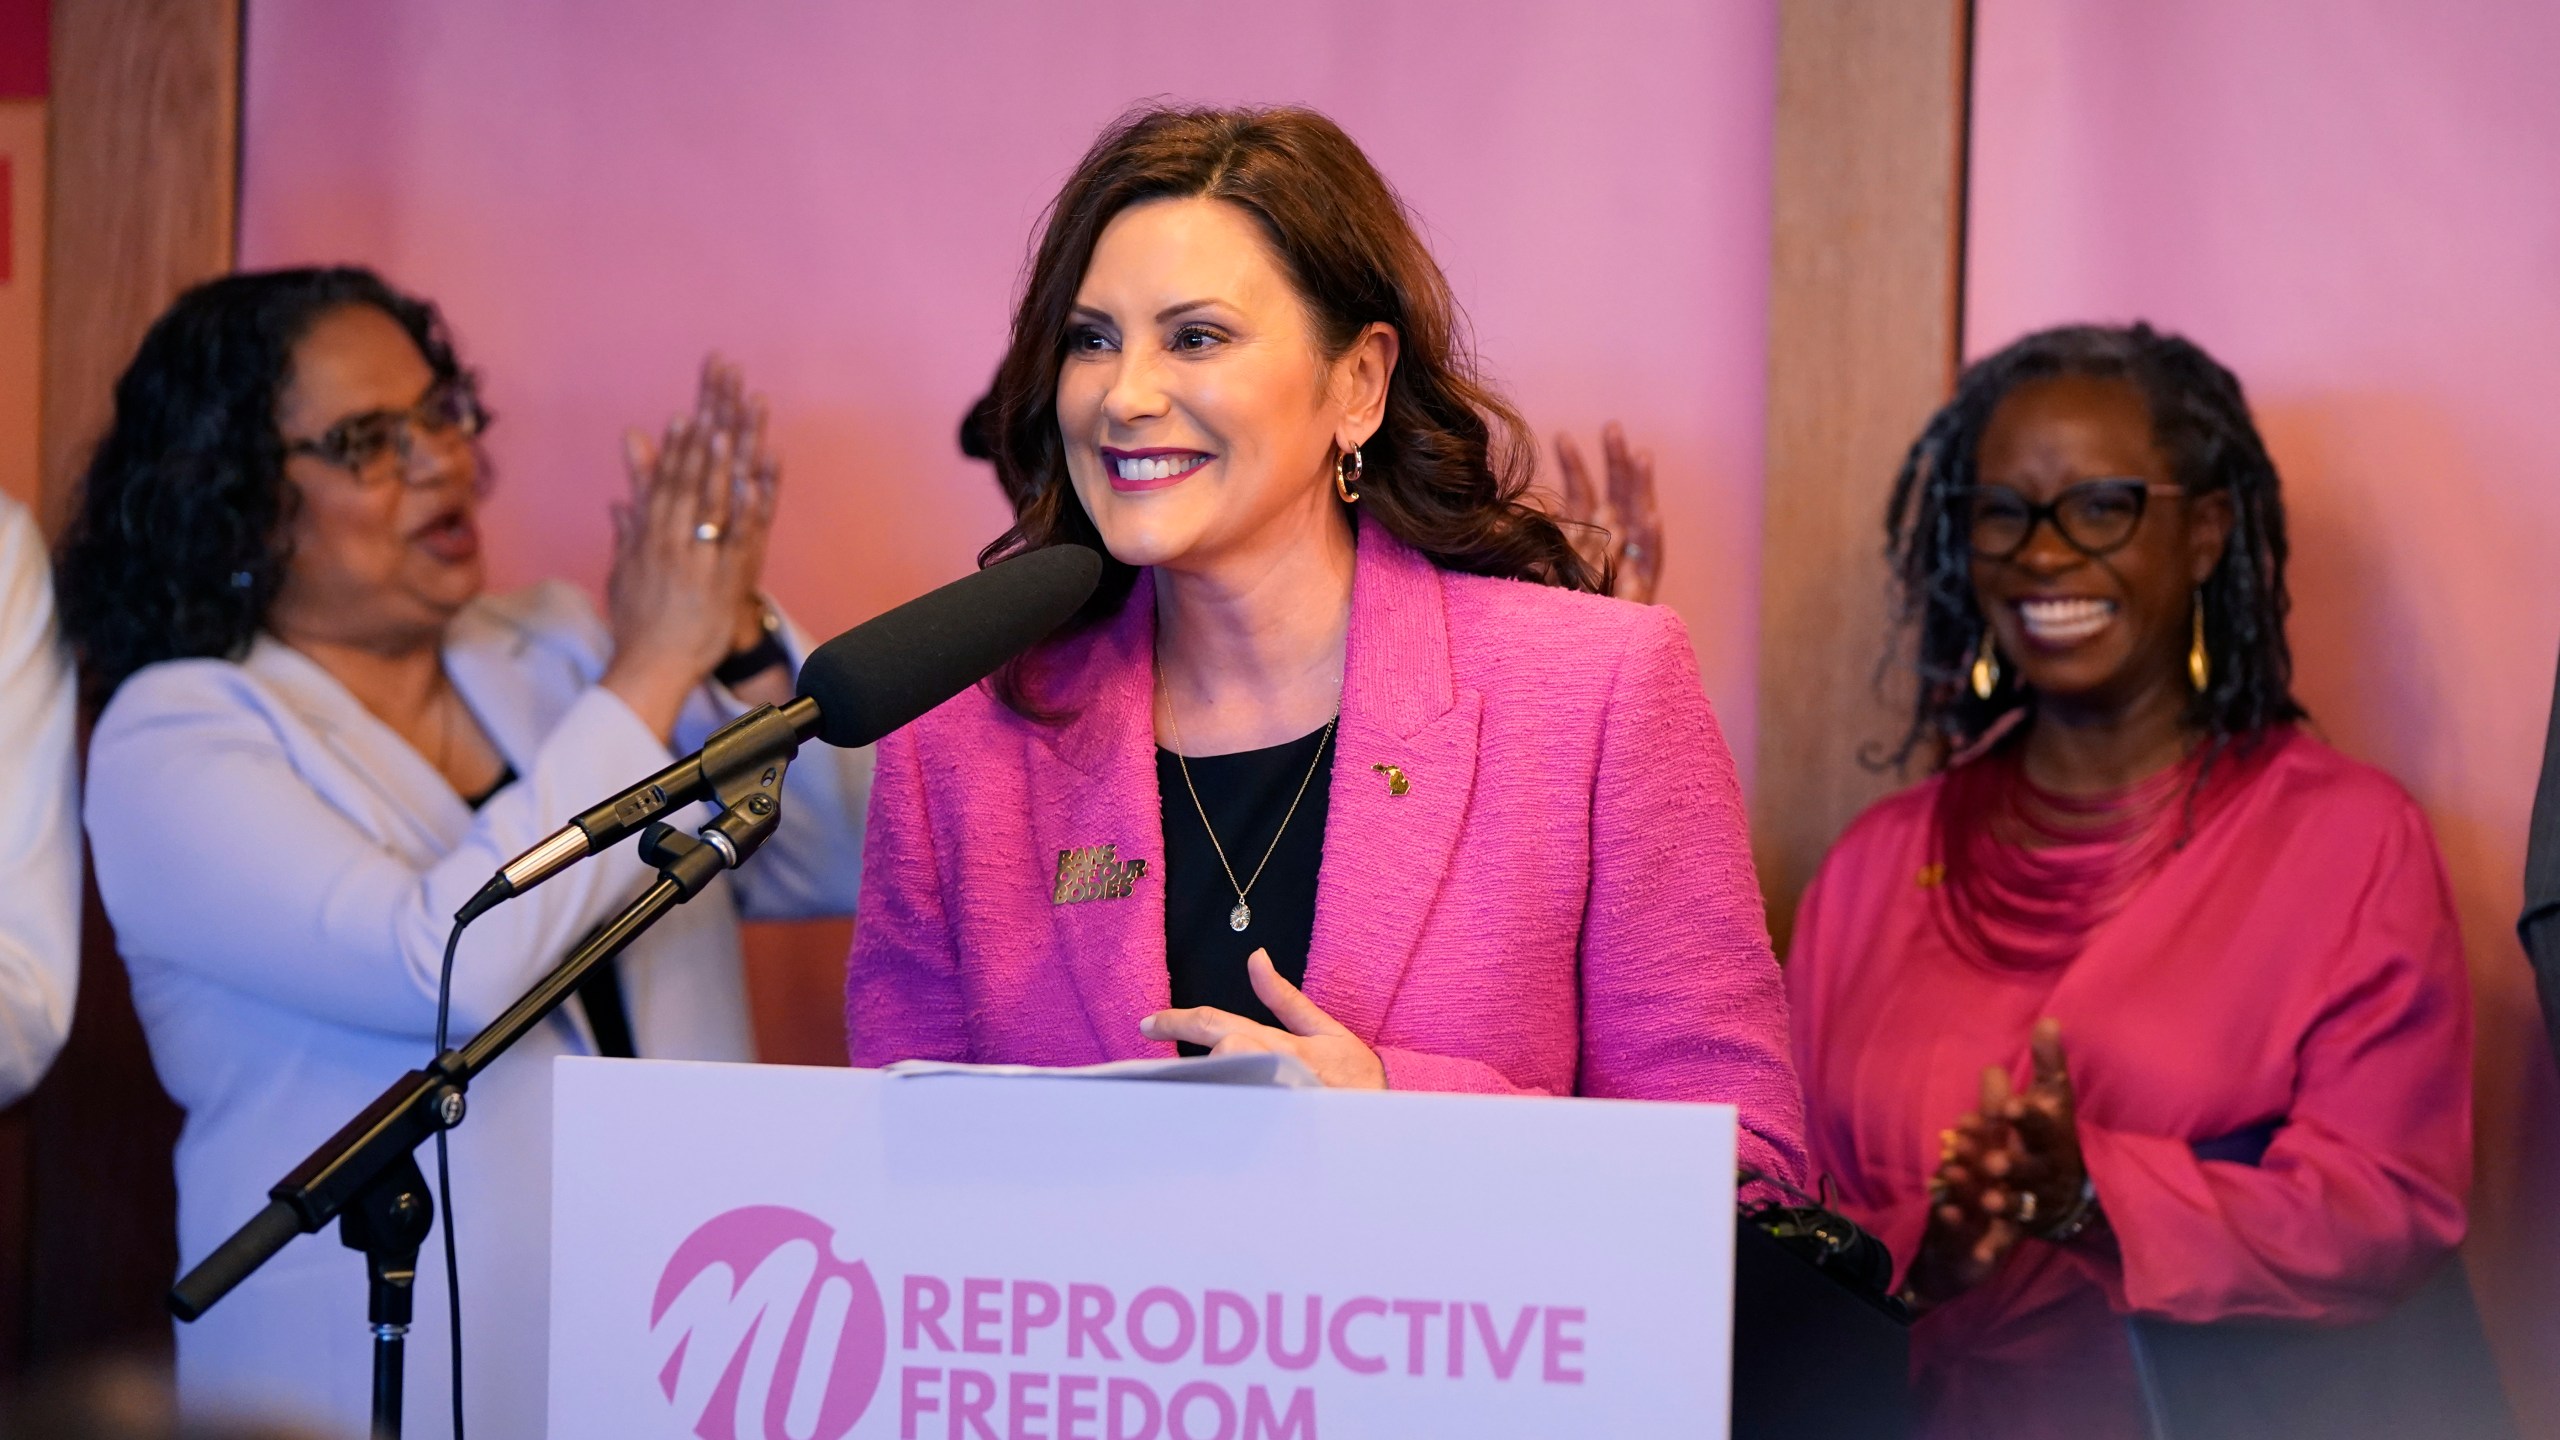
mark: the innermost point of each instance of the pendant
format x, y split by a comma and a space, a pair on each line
1240, 917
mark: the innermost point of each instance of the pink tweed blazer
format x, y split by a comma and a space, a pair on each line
1561, 901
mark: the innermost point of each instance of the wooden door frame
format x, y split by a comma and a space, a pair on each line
142, 161
1866, 308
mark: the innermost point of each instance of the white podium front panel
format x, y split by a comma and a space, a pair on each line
748, 1252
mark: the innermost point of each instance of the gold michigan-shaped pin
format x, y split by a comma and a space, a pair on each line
1093, 872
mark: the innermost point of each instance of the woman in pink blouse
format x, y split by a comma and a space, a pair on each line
2149, 1002
1345, 760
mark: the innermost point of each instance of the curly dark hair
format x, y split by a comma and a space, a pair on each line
1449, 469
176, 546
2202, 422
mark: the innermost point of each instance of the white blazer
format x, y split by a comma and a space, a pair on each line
39, 816
281, 869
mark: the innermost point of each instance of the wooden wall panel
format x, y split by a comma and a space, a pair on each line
143, 161
22, 190
102, 1212
1865, 297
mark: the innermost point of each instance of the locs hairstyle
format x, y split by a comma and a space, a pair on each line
1450, 466
2202, 423
176, 545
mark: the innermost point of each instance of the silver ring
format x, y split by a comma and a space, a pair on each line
2026, 1207
707, 532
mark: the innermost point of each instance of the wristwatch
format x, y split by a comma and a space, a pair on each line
768, 651
2083, 1213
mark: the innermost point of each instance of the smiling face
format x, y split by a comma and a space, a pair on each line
2095, 634
384, 555
1199, 413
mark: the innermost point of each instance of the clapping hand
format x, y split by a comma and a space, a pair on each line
2041, 1171
2009, 1170
1626, 524
1337, 1056
689, 547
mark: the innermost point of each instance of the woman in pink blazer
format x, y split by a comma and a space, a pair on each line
1343, 760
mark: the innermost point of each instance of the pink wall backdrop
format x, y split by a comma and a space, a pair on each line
841, 196
2356, 207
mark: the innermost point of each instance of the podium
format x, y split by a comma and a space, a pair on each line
764, 1251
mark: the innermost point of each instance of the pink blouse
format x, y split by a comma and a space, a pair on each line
2292, 976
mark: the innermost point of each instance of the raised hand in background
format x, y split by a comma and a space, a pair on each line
1626, 524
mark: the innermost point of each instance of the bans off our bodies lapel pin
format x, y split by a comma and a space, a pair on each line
1094, 872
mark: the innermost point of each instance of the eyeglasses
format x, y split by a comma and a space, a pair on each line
360, 443
2094, 517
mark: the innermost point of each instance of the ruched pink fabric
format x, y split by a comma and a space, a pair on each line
2292, 978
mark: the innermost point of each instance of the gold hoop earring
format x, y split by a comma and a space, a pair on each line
1346, 473
2199, 659
1986, 667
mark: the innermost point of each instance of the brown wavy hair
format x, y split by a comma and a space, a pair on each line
1447, 473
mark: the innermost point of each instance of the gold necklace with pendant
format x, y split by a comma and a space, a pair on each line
1242, 915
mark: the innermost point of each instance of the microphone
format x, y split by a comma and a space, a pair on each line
861, 685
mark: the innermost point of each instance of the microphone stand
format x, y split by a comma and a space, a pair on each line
366, 1177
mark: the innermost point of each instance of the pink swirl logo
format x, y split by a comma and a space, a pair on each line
768, 1332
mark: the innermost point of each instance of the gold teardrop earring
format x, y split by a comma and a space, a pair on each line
1346, 473
1986, 667
2199, 659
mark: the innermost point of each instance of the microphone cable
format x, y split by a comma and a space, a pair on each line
444, 1187
444, 1163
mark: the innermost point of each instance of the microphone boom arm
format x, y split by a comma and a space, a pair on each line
734, 751
744, 763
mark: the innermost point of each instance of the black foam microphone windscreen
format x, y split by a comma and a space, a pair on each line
888, 670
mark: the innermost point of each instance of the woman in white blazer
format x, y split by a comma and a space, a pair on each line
39, 816
322, 738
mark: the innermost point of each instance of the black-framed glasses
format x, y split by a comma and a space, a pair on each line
2094, 517
359, 443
